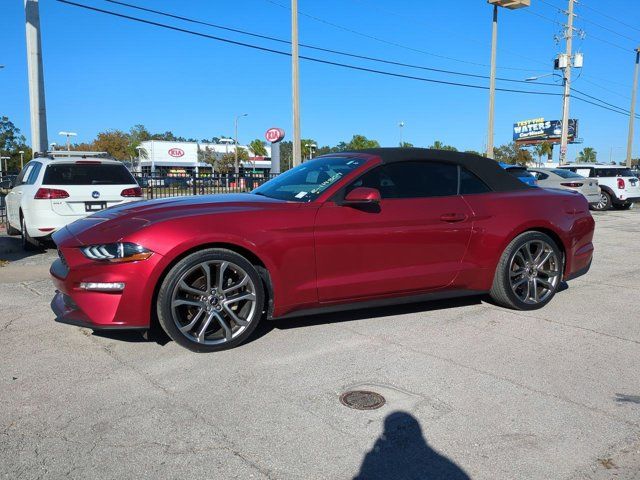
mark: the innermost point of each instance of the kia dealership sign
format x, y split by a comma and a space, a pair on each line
176, 152
274, 135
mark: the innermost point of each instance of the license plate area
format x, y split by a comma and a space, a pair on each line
94, 206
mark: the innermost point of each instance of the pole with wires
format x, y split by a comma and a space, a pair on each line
295, 80
633, 108
39, 142
566, 79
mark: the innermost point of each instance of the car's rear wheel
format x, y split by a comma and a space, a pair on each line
623, 206
211, 300
528, 273
604, 203
12, 231
29, 244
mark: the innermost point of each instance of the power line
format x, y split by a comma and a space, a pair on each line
601, 101
474, 39
395, 44
585, 5
326, 62
311, 59
321, 49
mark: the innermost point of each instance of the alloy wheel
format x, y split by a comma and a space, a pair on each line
534, 272
213, 302
603, 203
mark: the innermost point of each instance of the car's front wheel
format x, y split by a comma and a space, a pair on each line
211, 300
528, 273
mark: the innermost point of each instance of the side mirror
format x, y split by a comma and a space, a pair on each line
362, 196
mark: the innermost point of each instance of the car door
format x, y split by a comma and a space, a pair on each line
413, 241
14, 197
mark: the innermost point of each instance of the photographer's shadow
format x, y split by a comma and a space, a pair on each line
402, 453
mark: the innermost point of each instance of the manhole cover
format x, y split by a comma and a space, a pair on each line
362, 400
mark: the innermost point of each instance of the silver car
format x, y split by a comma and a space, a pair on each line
568, 180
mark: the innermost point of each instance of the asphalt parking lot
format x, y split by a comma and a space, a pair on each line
472, 390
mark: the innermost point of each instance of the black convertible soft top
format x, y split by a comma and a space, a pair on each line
485, 168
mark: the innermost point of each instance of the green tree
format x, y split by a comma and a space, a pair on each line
11, 143
512, 154
587, 155
474, 152
208, 156
360, 142
115, 142
406, 145
542, 149
227, 162
438, 145
258, 148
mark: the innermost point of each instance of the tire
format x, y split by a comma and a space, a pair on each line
12, 231
208, 317
623, 206
29, 244
528, 282
604, 204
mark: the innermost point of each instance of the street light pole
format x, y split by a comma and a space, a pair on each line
564, 139
237, 166
632, 112
492, 82
21, 152
6, 169
295, 81
68, 135
400, 125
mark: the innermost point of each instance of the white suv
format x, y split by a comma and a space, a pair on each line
619, 186
51, 193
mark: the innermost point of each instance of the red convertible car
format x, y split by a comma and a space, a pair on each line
351, 229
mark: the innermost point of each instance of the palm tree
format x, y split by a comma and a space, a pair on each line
587, 155
542, 149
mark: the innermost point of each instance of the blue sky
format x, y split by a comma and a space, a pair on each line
103, 72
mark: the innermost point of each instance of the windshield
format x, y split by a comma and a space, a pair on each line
306, 182
561, 172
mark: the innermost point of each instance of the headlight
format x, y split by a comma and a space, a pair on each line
116, 252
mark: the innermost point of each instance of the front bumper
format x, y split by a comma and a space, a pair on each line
101, 310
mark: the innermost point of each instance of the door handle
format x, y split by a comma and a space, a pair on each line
453, 217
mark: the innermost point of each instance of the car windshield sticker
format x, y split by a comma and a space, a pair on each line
326, 183
301, 194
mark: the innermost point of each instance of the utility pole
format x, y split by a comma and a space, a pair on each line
295, 79
566, 79
633, 108
401, 125
492, 81
38, 110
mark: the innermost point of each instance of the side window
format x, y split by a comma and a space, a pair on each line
31, 178
585, 172
24, 174
539, 175
411, 180
470, 183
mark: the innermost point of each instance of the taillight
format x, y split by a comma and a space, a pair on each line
50, 194
621, 183
132, 192
571, 184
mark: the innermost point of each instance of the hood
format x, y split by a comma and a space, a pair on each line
113, 223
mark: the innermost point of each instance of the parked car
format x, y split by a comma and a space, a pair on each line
345, 230
520, 172
51, 193
619, 186
568, 180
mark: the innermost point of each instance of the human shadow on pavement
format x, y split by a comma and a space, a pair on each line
402, 453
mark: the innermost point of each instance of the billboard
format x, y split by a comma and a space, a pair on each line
541, 130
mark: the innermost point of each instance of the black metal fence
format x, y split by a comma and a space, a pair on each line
3, 209
174, 185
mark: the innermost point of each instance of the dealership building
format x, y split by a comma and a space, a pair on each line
163, 156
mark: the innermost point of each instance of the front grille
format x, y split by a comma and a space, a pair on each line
62, 259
